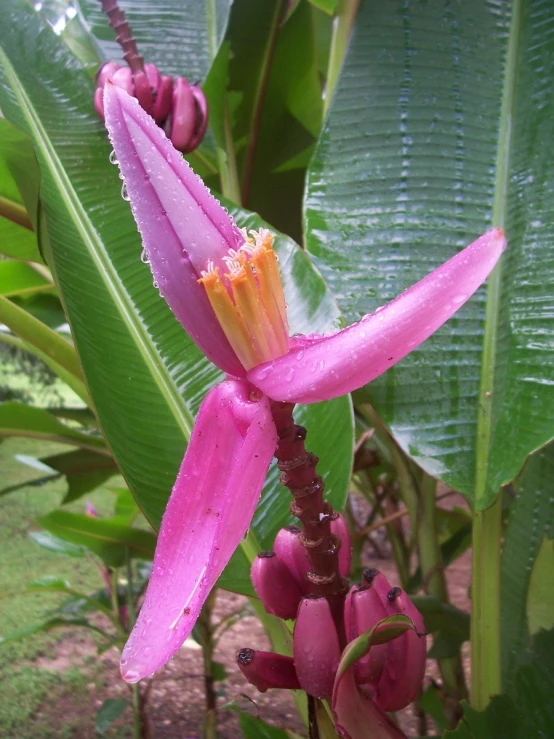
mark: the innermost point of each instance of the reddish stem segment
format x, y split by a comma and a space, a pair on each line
298, 468
124, 35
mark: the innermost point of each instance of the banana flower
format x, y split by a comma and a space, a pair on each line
224, 286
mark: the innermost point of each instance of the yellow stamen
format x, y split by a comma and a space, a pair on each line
230, 319
249, 302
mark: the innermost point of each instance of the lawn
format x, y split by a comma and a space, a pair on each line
37, 674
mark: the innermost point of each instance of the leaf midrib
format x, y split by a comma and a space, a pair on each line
486, 388
97, 251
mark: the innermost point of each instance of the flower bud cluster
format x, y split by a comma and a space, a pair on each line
177, 106
280, 577
390, 674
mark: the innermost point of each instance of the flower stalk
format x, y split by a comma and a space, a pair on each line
298, 468
124, 35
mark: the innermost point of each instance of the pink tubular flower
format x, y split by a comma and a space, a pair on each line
224, 286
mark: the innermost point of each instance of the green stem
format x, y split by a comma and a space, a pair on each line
135, 689
259, 97
432, 570
485, 619
342, 28
485, 612
205, 630
227, 161
15, 212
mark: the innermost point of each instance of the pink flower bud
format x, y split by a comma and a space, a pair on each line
201, 117
316, 647
123, 78
105, 72
339, 527
154, 77
362, 610
164, 100
143, 91
290, 550
404, 666
90, 510
182, 123
267, 670
99, 101
275, 585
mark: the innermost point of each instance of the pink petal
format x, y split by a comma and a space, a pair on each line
325, 367
356, 715
209, 510
181, 224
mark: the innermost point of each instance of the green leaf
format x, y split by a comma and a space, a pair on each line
498, 721
48, 625
385, 630
17, 419
449, 625
107, 539
19, 183
33, 331
146, 378
450, 133
84, 469
273, 74
55, 544
540, 598
19, 278
531, 520
109, 711
180, 36
253, 727
528, 711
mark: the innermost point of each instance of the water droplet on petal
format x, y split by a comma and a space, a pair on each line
144, 257
113, 158
124, 193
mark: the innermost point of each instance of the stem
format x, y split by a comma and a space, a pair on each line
485, 598
124, 35
259, 98
227, 161
342, 28
205, 630
131, 610
485, 618
15, 213
298, 469
432, 571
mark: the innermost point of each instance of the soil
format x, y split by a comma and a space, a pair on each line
176, 701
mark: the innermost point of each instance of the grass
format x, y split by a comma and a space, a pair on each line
48, 679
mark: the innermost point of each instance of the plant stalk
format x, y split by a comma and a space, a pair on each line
485, 611
124, 35
205, 629
432, 571
299, 474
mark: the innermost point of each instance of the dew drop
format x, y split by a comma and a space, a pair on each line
113, 158
155, 283
144, 257
124, 193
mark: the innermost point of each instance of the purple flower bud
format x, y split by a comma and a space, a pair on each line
339, 527
362, 610
316, 647
275, 585
290, 550
201, 117
267, 670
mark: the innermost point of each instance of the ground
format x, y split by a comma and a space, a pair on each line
53, 684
